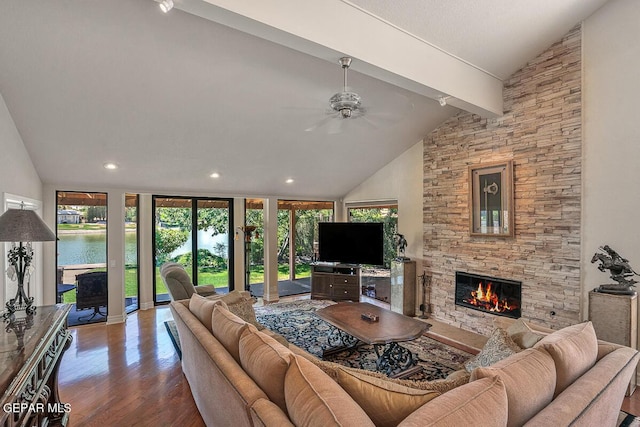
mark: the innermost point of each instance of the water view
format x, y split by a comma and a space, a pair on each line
91, 248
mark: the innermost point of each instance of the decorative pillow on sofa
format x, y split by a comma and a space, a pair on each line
523, 335
241, 307
202, 308
315, 400
384, 401
266, 361
482, 403
499, 346
574, 350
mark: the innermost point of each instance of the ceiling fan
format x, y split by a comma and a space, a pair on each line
345, 104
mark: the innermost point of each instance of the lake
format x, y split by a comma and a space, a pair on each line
91, 248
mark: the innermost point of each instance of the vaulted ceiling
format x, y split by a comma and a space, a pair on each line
233, 86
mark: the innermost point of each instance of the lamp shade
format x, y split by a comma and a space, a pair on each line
22, 225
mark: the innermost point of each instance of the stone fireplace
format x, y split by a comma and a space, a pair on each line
541, 132
493, 295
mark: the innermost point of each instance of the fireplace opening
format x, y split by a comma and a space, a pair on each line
493, 295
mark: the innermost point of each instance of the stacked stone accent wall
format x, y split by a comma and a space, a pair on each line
541, 131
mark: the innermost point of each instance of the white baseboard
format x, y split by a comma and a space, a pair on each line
121, 318
147, 305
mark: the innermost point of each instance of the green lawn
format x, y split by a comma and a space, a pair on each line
217, 279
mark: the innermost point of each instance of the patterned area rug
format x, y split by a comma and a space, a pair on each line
628, 420
298, 324
172, 329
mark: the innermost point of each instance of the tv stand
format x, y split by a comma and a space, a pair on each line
337, 282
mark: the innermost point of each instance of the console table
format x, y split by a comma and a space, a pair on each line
31, 349
338, 282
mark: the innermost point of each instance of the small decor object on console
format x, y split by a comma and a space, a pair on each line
401, 246
369, 317
619, 269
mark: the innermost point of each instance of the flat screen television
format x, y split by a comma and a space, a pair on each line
351, 242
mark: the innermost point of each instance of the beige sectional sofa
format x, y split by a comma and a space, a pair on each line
242, 376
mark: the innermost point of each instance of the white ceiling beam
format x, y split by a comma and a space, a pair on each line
329, 29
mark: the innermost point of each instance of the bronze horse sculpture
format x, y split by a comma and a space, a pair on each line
619, 269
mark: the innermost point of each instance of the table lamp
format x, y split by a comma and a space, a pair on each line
23, 226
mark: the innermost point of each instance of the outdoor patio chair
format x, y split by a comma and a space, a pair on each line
179, 283
91, 292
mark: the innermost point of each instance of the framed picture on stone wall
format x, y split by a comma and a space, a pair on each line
491, 199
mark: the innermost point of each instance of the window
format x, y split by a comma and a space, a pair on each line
186, 226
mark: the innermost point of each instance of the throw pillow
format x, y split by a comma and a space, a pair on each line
385, 402
315, 400
498, 346
574, 350
242, 307
202, 308
523, 335
482, 403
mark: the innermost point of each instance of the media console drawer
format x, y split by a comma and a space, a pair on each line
336, 282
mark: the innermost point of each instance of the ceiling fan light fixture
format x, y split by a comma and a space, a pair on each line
166, 5
443, 100
345, 103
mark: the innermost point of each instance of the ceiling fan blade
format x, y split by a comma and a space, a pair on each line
337, 125
369, 122
319, 124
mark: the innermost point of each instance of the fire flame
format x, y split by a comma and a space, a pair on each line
487, 299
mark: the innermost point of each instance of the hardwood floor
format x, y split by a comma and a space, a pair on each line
130, 375
631, 404
126, 375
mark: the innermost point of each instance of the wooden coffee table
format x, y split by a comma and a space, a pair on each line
385, 334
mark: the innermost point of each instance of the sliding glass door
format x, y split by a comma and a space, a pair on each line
196, 233
82, 255
376, 280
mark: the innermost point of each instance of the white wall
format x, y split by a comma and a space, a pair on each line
18, 177
611, 146
400, 180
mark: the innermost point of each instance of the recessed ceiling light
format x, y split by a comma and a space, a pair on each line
289, 181
110, 166
166, 5
215, 175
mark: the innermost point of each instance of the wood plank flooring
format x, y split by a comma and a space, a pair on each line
130, 375
126, 375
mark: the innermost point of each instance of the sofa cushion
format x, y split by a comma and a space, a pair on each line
530, 380
202, 308
265, 413
497, 347
481, 403
384, 401
266, 361
315, 400
523, 335
228, 328
574, 350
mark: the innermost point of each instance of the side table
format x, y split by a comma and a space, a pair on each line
615, 319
